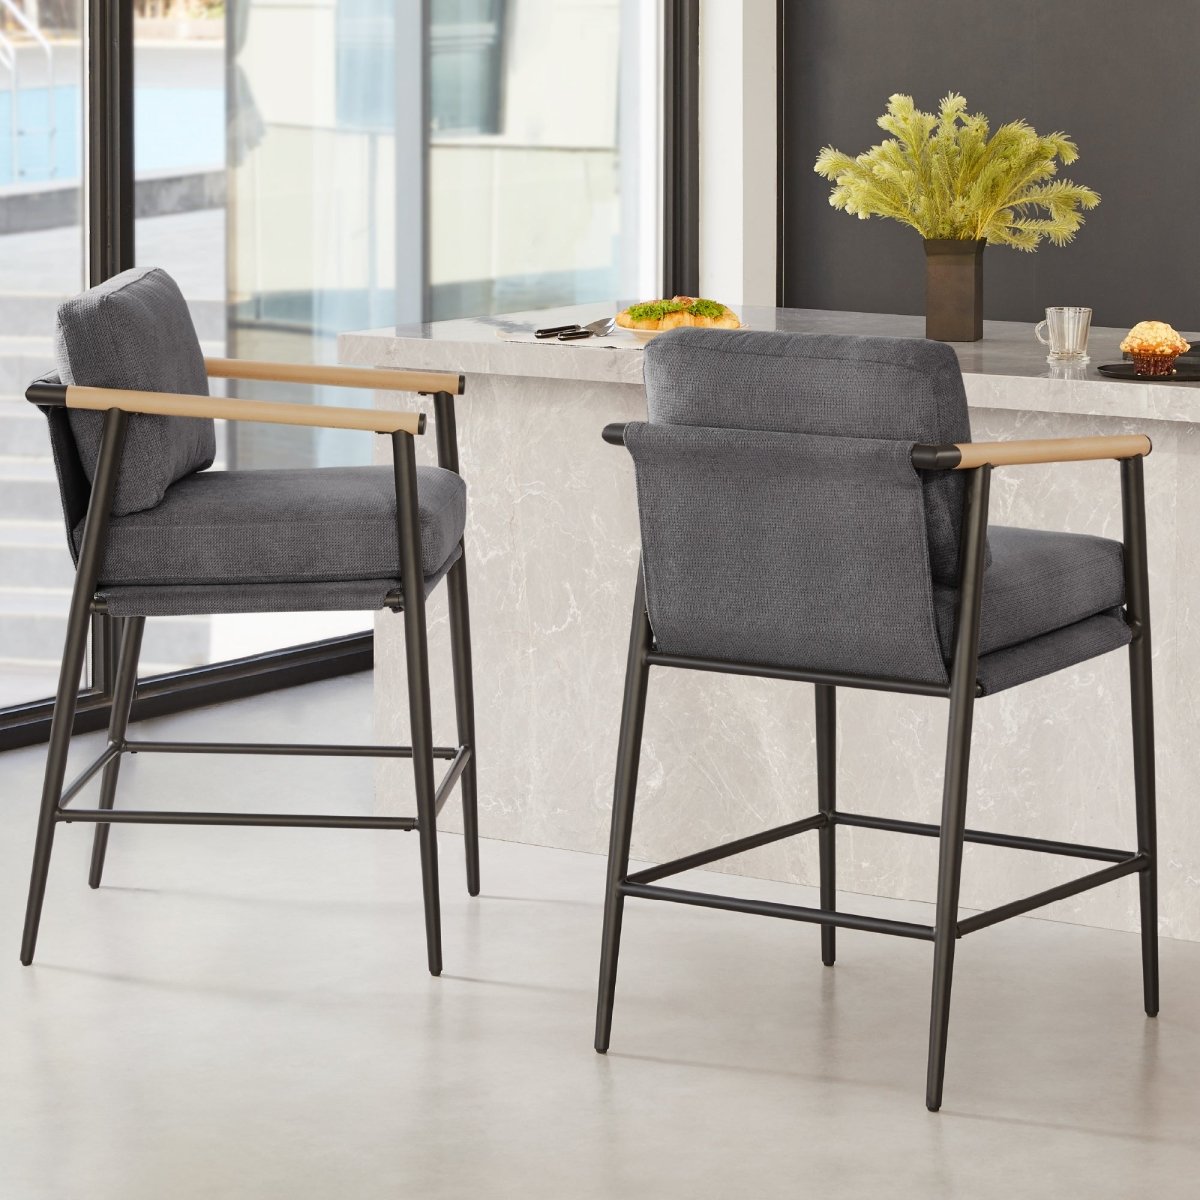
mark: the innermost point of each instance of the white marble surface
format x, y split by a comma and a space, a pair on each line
552, 544
991, 367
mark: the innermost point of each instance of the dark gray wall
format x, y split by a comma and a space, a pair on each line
1121, 77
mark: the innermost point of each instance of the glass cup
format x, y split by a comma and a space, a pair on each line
1068, 334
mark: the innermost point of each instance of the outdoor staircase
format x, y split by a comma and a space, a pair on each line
35, 565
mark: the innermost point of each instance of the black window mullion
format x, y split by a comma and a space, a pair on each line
681, 148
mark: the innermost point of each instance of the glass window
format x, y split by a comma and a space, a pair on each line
289, 176
544, 153
41, 263
253, 193
465, 66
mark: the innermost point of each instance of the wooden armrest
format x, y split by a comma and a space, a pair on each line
379, 378
966, 456
170, 404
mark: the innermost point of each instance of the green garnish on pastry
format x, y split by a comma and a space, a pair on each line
654, 316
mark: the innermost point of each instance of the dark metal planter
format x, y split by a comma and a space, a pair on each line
954, 289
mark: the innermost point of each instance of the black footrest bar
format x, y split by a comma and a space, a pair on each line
1139, 862
753, 841
287, 748
132, 816
788, 912
986, 838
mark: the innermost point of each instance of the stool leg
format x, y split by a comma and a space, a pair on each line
954, 807
87, 571
61, 723
629, 749
1147, 838
1144, 799
416, 650
1141, 694
826, 803
446, 431
464, 708
963, 683
118, 723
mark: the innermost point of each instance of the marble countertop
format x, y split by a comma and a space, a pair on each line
1006, 370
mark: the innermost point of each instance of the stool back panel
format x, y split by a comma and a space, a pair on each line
900, 389
786, 549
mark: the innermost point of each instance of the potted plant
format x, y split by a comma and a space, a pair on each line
960, 190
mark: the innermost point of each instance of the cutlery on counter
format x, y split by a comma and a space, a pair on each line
575, 333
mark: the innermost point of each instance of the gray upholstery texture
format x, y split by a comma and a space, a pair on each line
786, 549
1037, 582
134, 331
74, 490
784, 524
200, 599
1053, 652
896, 389
245, 529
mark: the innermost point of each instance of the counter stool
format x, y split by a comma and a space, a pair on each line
812, 508
153, 532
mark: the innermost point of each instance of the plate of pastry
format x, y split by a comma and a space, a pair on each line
1153, 347
649, 319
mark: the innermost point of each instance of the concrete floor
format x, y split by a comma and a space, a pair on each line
244, 1013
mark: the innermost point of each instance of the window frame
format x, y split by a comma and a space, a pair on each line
108, 191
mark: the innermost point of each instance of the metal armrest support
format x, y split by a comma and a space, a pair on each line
170, 404
966, 456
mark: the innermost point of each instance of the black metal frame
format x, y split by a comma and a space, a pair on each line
681, 148
961, 691
56, 795
781, 136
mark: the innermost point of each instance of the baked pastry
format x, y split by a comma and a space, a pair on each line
1154, 346
678, 312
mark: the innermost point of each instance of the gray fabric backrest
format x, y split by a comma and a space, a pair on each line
901, 389
782, 520
134, 331
787, 549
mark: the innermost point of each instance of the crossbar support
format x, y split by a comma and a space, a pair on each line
451, 778
288, 748
132, 816
986, 837
86, 775
640, 883
788, 912
690, 861
1138, 862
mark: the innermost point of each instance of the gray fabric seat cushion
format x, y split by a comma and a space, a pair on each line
1053, 652
1037, 582
891, 389
247, 528
134, 331
205, 599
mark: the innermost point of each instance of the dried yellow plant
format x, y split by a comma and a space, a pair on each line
947, 178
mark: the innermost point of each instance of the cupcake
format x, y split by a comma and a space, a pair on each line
1154, 346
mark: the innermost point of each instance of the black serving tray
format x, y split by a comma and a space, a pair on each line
1185, 372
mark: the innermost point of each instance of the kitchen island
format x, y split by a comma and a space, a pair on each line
552, 545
